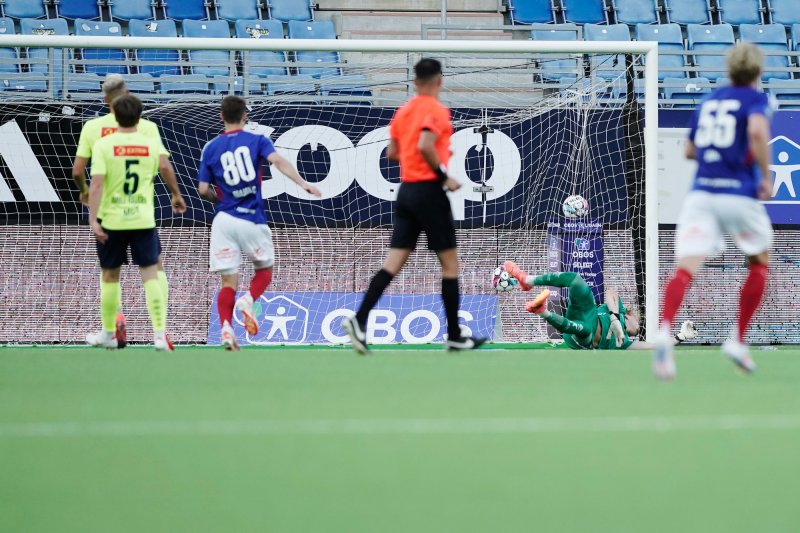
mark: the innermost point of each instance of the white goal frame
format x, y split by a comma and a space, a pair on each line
648, 49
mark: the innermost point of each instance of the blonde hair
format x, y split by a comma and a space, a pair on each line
744, 63
114, 87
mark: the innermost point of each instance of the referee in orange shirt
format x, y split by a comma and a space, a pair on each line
420, 141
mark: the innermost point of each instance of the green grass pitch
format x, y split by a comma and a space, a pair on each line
321, 440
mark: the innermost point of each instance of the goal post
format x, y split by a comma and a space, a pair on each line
188, 125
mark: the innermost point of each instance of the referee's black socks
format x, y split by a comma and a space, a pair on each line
450, 297
379, 282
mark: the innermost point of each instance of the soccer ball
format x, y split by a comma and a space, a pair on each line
575, 206
502, 280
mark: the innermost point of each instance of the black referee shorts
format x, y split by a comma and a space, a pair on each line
423, 207
144, 244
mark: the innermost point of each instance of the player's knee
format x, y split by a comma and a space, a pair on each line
261, 265
110, 275
759, 259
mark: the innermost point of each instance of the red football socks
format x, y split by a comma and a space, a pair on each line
750, 297
261, 281
673, 297
225, 301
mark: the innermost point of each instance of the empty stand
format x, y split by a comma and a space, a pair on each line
672, 60
688, 11
636, 11
555, 67
78, 9
771, 38
354, 89
322, 29
286, 10
93, 28
191, 84
238, 9
24, 8
784, 90
40, 60
716, 39
132, 9
531, 11
607, 66
795, 36
786, 12
186, 9
262, 63
161, 62
300, 89
691, 91
584, 11
208, 62
740, 11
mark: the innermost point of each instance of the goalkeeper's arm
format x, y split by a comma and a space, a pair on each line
687, 332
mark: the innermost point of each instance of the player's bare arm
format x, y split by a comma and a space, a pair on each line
615, 329
95, 194
168, 175
690, 151
393, 151
427, 148
758, 136
79, 177
282, 164
206, 192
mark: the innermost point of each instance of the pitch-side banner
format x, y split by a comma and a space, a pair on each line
316, 318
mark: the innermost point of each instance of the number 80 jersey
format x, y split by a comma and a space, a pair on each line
233, 163
719, 132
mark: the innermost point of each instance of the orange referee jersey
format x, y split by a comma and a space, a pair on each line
420, 113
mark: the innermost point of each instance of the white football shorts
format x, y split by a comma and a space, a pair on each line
232, 236
706, 217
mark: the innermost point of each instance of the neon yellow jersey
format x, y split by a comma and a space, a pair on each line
129, 163
100, 127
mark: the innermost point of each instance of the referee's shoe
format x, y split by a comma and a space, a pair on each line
357, 335
464, 343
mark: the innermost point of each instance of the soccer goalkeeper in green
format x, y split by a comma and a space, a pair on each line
586, 325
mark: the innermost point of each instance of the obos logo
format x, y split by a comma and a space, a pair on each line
582, 245
786, 157
281, 319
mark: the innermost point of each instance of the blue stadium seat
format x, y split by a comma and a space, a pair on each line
191, 84
786, 12
784, 90
607, 66
795, 36
186, 9
7, 26
24, 9
636, 11
690, 90
238, 9
771, 38
354, 88
584, 11
669, 40
40, 57
132, 9
156, 28
740, 11
531, 11
78, 9
9, 58
314, 30
292, 85
554, 67
286, 10
223, 85
710, 39
93, 28
257, 62
141, 84
688, 11
211, 62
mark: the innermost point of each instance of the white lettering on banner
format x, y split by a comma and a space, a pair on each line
374, 326
362, 163
405, 326
24, 167
384, 320
327, 322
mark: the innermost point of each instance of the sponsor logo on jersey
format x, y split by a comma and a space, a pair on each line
125, 151
107, 131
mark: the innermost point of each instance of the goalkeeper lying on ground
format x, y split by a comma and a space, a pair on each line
586, 325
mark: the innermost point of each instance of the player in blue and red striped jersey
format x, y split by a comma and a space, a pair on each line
230, 176
729, 138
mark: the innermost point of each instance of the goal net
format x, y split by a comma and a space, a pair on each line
549, 144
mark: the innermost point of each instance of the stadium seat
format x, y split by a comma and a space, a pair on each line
296, 86
636, 11
607, 66
223, 85
9, 58
238, 9
718, 39
24, 9
191, 84
771, 38
584, 11
795, 37
93, 28
691, 90
257, 62
186, 9
314, 30
531, 11
354, 88
286, 10
78, 9
141, 84
669, 40
132, 9
740, 11
40, 57
688, 11
156, 28
212, 62
554, 67
786, 12
784, 90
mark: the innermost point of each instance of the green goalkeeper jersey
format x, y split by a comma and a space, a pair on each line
129, 163
604, 317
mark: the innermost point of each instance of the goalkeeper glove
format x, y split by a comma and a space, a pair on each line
688, 332
616, 329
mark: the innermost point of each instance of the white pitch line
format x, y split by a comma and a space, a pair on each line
421, 426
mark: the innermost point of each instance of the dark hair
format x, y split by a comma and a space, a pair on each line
427, 69
127, 110
233, 109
